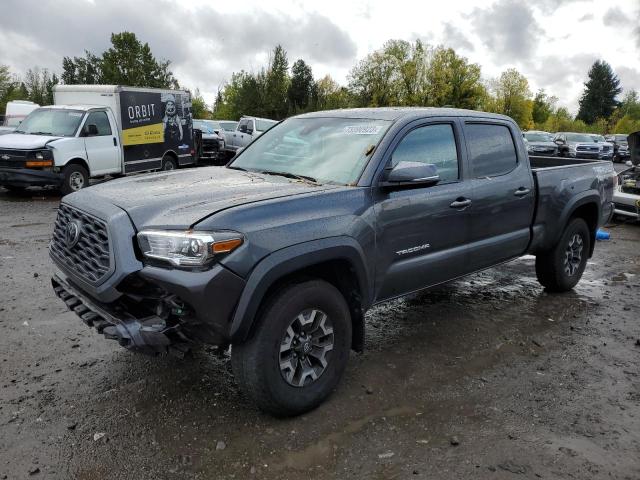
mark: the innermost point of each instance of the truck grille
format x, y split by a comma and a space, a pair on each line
85, 254
583, 148
12, 158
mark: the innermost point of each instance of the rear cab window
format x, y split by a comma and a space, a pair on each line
492, 151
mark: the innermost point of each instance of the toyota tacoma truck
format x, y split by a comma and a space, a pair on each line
280, 253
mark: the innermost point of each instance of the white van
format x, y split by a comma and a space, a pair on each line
97, 130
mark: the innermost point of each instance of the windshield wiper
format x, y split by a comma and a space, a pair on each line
303, 178
237, 168
40, 133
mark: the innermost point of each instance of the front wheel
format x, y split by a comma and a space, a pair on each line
560, 269
76, 178
298, 351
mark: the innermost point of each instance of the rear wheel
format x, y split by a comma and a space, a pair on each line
76, 178
561, 268
169, 163
298, 351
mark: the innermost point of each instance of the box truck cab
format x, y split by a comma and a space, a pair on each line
98, 130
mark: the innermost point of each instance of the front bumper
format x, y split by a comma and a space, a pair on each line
627, 204
205, 303
27, 177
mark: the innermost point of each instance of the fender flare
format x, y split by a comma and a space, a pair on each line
289, 260
584, 198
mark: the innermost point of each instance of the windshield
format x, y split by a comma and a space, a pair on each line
537, 137
621, 138
264, 125
598, 138
228, 126
56, 122
579, 137
203, 126
327, 149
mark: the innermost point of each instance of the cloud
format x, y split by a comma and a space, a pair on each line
204, 44
456, 39
615, 17
629, 78
508, 29
586, 17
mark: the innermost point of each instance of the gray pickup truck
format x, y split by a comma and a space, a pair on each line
280, 253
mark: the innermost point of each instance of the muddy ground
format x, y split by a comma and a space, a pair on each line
489, 377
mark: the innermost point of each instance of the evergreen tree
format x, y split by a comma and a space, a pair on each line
600, 92
301, 86
277, 85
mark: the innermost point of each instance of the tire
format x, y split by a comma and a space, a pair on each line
560, 269
272, 377
76, 178
168, 163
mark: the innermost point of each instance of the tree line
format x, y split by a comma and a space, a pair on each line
400, 73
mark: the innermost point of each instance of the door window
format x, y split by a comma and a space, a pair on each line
491, 149
101, 121
431, 144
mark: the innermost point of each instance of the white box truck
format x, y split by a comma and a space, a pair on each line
16, 112
97, 130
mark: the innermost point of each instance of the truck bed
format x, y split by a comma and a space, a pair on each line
560, 183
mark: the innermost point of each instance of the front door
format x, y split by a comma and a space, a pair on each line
101, 145
423, 231
503, 194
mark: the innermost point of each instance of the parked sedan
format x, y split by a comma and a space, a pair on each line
626, 195
606, 150
540, 143
620, 146
577, 145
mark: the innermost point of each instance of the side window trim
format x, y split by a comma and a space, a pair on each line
470, 155
87, 122
457, 142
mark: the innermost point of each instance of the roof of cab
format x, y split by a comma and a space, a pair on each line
396, 113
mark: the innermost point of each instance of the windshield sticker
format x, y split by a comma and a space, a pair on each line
75, 114
362, 129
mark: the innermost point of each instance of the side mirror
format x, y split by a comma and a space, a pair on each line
559, 142
243, 128
413, 173
91, 130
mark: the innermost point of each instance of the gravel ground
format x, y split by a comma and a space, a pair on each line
489, 377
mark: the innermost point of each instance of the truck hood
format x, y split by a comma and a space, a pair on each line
21, 141
180, 199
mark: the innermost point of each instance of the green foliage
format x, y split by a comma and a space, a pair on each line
601, 90
127, 62
301, 88
627, 124
542, 107
199, 107
512, 97
39, 85
451, 80
276, 85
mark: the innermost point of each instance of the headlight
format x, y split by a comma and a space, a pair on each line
187, 249
529, 148
40, 158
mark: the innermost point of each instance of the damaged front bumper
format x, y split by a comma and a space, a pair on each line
147, 334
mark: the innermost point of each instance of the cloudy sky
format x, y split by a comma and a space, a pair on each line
553, 42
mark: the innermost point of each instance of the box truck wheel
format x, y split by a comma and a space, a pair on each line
169, 163
76, 177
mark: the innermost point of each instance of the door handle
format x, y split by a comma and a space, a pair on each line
521, 192
460, 203
115, 144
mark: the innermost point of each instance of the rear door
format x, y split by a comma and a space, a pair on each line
502, 191
423, 231
234, 140
102, 147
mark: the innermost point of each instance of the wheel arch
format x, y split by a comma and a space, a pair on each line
337, 260
78, 161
